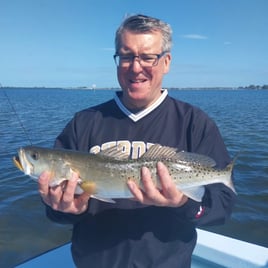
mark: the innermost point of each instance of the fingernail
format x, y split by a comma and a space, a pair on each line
144, 171
130, 184
74, 176
160, 165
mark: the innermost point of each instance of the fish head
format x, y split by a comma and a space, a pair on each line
32, 161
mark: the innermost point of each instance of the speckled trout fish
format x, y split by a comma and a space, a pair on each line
104, 175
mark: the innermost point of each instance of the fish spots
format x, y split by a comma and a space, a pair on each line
130, 178
129, 174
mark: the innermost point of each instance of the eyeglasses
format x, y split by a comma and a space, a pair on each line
145, 60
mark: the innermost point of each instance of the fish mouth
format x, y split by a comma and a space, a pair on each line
22, 163
17, 163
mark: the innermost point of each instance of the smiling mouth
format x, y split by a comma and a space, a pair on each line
137, 81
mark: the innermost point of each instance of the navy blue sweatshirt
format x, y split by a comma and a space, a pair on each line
127, 233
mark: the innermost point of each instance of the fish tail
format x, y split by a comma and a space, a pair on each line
230, 184
229, 168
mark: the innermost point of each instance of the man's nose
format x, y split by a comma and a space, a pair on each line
136, 65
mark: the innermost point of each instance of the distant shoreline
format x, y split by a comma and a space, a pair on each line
252, 87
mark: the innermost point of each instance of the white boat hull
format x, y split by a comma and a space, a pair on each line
212, 250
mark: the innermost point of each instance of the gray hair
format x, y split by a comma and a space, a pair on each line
145, 24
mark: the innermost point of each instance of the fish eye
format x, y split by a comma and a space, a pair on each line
35, 155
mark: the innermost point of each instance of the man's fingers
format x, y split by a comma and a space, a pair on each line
55, 196
43, 183
149, 187
62, 197
68, 198
43, 187
174, 196
136, 191
149, 193
167, 184
69, 189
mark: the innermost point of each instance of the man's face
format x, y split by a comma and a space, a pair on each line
141, 85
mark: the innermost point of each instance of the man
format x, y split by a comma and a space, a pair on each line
157, 229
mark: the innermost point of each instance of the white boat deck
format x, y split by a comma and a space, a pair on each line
222, 251
212, 251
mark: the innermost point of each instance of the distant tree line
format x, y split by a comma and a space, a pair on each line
255, 87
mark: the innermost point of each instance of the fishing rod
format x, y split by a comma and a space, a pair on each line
26, 133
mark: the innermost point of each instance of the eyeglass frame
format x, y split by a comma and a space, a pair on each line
132, 58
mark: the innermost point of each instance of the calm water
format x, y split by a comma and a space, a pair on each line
24, 230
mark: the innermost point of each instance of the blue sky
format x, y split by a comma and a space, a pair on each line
70, 43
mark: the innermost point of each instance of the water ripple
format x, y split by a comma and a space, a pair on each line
241, 116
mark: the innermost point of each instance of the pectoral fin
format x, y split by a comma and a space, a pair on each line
88, 186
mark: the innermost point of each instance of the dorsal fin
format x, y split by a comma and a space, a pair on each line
158, 152
114, 152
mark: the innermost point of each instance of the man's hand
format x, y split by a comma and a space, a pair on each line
62, 197
169, 196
